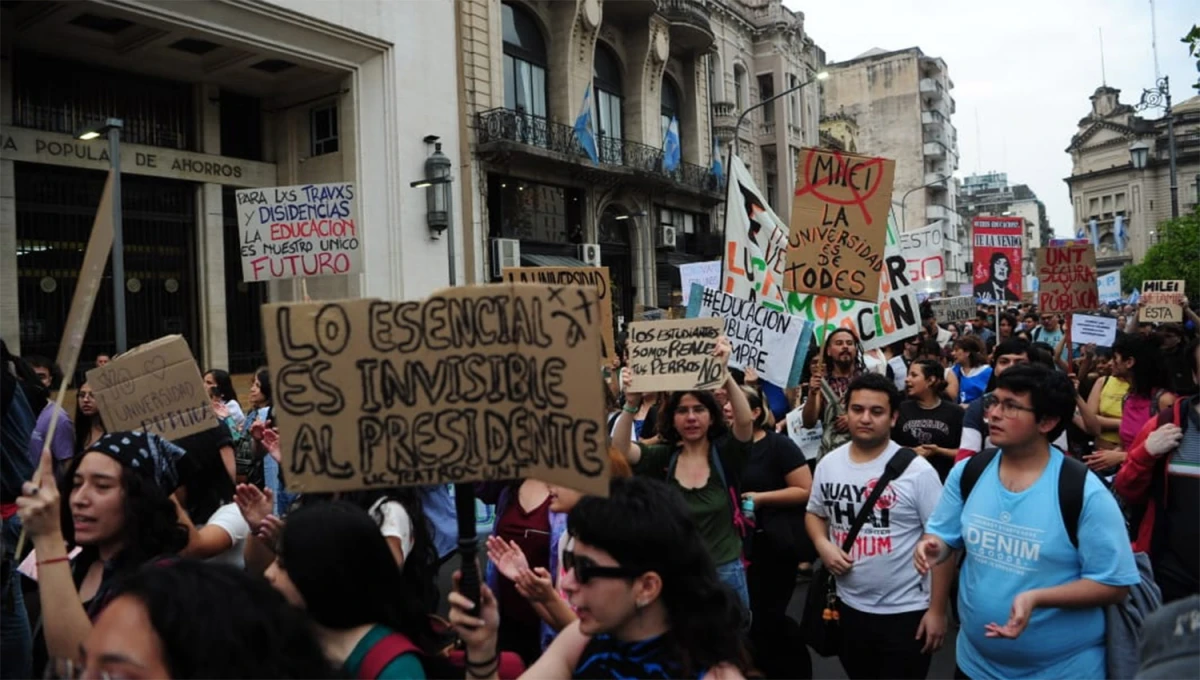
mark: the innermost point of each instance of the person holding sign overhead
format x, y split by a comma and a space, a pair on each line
841, 361
700, 462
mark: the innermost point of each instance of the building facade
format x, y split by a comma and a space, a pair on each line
901, 105
1106, 184
990, 194
215, 96
534, 198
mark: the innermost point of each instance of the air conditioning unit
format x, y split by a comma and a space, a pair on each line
666, 237
506, 252
590, 253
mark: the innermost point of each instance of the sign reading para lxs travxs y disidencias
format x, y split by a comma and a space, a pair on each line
472, 384
299, 231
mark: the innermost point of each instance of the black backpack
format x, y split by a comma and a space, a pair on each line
1071, 480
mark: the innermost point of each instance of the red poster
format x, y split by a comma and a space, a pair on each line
998, 244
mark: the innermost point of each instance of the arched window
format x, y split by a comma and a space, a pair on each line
669, 104
609, 101
739, 86
524, 62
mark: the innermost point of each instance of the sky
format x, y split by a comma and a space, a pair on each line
1025, 68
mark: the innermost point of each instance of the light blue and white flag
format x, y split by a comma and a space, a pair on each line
1095, 229
718, 170
671, 146
1081, 232
1119, 233
583, 127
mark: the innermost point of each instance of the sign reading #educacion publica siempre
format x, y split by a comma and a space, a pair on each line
55, 148
475, 383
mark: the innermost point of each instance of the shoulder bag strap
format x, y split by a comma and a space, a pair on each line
382, 653
895, 467
1072, 478
973, 470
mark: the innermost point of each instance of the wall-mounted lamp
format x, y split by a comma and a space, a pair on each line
640, 213
437, 190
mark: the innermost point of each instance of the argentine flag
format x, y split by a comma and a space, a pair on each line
671, 146
1119, 232
583, 127
718, 170
1095, 229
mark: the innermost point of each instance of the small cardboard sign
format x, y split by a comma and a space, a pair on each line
675, 355
299, 231
953, 309
1067, 279
155, 387
594, 278
839, 224
1162, 301
1089, 329
774, 343
475, 383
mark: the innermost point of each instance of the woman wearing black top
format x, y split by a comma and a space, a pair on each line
928, 423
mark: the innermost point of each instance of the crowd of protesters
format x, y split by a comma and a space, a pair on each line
1024, 486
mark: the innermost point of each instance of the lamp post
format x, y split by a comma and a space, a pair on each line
904, 200
112, 127
1160, 98
738, 127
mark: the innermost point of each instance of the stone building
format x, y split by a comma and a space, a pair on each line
215, 95
901, 104
531, 195
1106, 183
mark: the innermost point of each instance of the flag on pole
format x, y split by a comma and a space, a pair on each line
583, 127
1081, 232
671, 146
718, 170
1119, 232
1095, 229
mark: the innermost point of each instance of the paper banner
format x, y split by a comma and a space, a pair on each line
1098, 330
998, 243
707, 274
675, 355
924, 251
299, 231
954, 309
1109, 286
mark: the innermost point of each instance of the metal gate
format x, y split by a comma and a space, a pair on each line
55, 210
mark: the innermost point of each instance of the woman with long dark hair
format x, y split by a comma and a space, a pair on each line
968, 378
928, 423
89, 426
334, 564
219, 382
701, 462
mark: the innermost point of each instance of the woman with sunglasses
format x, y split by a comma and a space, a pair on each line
649, 602
701, 462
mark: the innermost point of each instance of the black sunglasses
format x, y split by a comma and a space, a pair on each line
586, 569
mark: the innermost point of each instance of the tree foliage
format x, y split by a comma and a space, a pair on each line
1175, 256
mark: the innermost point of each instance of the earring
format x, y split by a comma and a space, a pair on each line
640, 604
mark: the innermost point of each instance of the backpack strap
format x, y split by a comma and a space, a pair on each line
973, 470
389, 648
896, 466
1072, 479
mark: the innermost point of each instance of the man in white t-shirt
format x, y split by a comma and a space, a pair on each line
891, 619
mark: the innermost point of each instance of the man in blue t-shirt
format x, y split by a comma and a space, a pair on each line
1030, 602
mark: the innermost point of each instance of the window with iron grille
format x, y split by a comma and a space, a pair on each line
324, 130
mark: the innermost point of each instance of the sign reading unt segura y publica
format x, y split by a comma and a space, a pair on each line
675, 355
299, 231
1067, 279
475, 383
839, 225
1162, 301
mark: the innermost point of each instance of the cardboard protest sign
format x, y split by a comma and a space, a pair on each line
675, 355
774, 343
1162, 301
299, 231
155, 387
592, 278
475, 383
924, 252
1098, 330
998, 242
1109, 286
954, 309
1067, 279
707, 274
839, 224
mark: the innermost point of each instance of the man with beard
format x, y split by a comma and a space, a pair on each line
891, 618
841, 362
996, 288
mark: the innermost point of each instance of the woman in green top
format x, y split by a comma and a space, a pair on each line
333, 563
693, 431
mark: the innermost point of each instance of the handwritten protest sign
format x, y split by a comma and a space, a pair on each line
155, 387
1067, 279
1162, 301
299, 231
474, 383
593, 278
707, 274
923, 250
954, 309
808, 439
1109, 286
839, 224
774, 343
668, 356
1098, 330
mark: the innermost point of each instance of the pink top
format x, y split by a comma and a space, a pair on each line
1134, 415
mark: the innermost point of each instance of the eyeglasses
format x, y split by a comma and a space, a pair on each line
1008, 408
695, 410
85, 395
586, 569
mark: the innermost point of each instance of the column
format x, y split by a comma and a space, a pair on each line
10, 317
210, 240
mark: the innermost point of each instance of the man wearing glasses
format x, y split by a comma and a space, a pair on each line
1031, 600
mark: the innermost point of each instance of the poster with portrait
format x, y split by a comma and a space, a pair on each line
998, 243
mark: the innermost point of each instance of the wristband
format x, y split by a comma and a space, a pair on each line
629, 409
52, 560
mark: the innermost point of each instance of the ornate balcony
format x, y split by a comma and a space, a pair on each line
691, 29
503, 132
725, 115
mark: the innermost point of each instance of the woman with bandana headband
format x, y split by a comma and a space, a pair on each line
119, 511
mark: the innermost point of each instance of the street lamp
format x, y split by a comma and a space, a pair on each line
438, 214
112, 127
1138, 153
904, 199
1160, 98
823, 75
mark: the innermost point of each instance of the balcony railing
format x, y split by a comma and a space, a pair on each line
505, 125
